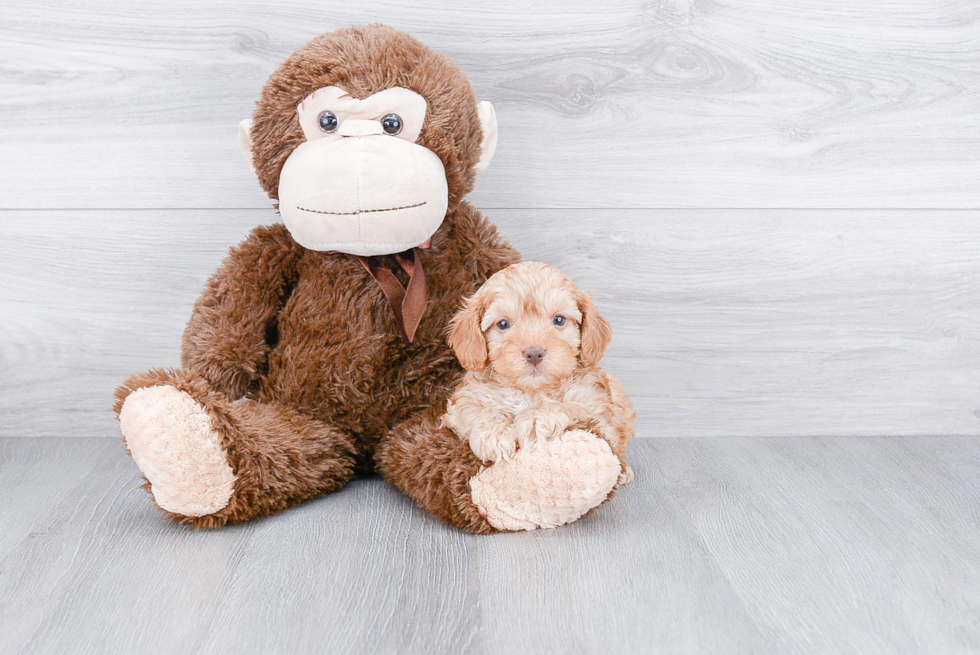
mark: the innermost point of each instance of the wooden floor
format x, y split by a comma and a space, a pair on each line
722, 545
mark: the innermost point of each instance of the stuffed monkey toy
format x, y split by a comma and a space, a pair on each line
318, 350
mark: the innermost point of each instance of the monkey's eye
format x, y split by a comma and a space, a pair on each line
503, 324
558, 321
328, 121
391, 124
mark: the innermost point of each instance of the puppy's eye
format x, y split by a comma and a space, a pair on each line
328, 121
503, 325
391, 124
558, 320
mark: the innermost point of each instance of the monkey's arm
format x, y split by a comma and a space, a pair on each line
225, 339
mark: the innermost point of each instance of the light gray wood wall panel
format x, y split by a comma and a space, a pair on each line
754, 546
731, 322
714, 103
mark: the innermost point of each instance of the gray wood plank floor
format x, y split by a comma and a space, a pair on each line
723, 545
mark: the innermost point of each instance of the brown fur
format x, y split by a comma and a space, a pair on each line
307, 336
439, 466
279, 456
363, 61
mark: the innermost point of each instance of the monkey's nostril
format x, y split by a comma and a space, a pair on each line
534, 355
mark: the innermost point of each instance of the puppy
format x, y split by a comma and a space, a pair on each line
531, 342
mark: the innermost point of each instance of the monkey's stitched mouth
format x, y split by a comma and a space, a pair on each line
359, 211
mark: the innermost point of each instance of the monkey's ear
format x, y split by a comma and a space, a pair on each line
465, 336
596, 331
488, 124
245, 139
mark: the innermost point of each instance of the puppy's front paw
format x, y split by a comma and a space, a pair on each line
539, 424
494, 442
550, 424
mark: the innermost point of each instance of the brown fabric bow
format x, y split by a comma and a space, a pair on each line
407, 304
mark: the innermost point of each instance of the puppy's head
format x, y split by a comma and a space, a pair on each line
531, 325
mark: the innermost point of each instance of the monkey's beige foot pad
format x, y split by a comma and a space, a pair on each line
547, 484
170, 437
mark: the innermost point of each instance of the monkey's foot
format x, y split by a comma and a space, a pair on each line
170, 437
550, 483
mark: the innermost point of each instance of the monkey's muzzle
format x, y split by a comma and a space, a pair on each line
363, 195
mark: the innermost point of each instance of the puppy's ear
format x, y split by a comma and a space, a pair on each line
596, 331
465, 336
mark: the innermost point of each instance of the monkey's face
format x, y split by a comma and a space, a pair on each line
361, 182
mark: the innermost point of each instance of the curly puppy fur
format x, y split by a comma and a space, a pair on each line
294, 352
532, 342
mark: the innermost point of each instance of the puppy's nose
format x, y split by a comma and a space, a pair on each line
534, 355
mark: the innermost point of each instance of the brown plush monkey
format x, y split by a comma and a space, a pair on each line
318, 349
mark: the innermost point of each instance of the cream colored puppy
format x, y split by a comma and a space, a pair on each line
531, 342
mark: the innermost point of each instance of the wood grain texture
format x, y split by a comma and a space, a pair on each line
877, 537
28, 491
715, 103
741, 545
761, 323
